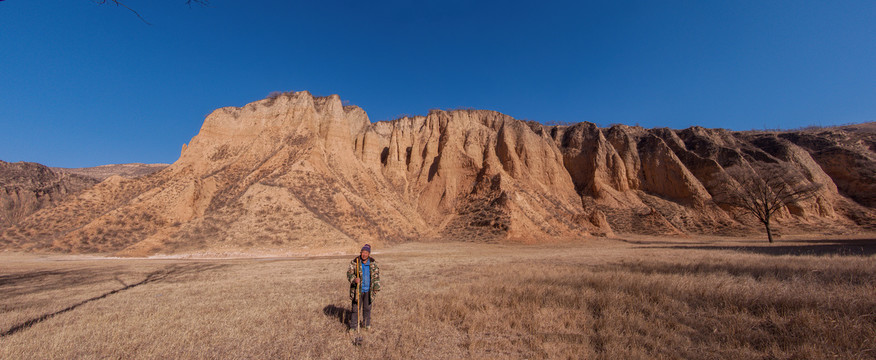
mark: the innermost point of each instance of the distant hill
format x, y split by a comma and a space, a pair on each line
297, 173
28, 187
102, 172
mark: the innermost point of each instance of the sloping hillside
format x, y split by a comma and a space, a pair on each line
133, 170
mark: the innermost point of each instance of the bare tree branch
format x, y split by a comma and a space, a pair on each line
199, 2
119, 3
763, 190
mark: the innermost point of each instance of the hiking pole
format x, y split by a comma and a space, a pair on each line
358, 340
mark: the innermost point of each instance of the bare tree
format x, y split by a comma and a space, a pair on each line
764, 189
119, 3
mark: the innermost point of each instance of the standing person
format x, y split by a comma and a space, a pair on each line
364, 276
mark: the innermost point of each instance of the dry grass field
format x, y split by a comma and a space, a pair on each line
637, 298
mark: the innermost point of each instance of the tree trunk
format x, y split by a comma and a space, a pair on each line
769, 232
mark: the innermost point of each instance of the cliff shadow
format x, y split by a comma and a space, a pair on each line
29, 282
759, 270
851, 247
168, 273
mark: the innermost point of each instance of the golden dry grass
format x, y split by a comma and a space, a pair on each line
600, 299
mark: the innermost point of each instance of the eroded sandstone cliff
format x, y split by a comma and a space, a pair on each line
298, 173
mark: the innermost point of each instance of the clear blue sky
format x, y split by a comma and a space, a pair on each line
83, 84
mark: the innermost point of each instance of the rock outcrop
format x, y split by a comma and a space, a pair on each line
28, 187
297, 173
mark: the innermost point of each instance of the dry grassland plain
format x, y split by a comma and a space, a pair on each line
636, 298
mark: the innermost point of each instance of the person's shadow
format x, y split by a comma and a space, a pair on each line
342, 314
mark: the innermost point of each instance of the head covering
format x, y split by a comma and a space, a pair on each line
366, 248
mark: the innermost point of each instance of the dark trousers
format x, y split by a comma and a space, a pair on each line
366, 310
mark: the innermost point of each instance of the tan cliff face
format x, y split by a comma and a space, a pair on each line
297, 173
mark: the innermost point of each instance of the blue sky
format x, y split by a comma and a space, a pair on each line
83, 84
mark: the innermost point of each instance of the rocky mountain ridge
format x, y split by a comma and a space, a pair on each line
297, 173
28, 187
